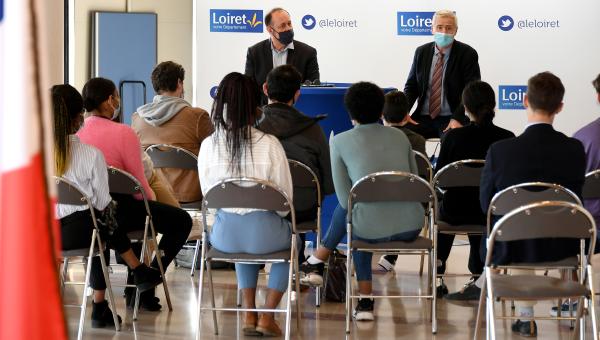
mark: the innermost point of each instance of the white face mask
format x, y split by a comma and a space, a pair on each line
116, 112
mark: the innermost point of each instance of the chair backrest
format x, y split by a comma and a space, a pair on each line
391, 186
463, 173
525, 193
169, 156
547, 219
247, 192
424, 167
122, 182
68, 192
303, 176
591, 187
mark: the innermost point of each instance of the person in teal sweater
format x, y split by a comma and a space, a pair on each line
369, 147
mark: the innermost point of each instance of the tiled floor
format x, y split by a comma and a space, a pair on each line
398, 319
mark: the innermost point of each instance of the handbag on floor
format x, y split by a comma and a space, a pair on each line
335, 278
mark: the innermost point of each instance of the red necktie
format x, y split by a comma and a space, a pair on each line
435, 95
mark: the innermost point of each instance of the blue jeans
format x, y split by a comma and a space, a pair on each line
258, 232
362, 260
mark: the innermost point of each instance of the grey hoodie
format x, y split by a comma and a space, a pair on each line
161, 109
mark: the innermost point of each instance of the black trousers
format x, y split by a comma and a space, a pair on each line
444, 245
173, 223
429, 128
76, 233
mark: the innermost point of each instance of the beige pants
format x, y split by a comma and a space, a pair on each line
162, 189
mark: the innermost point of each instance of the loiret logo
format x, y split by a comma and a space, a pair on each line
415, 23
236, 20
1, 9
309, 22
506, 23
510, 97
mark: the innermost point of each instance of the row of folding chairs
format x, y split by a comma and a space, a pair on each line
120, 182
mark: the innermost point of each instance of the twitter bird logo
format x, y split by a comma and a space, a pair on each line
308, 22
506, 23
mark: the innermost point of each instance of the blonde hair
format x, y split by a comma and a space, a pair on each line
445, 13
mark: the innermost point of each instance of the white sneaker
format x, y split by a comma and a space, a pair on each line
385, 264
364, 310
564, 310
312, 280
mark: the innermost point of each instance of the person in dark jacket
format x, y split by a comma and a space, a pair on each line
460, 206
539, 154
302, 138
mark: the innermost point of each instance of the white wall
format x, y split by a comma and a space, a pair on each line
374, 51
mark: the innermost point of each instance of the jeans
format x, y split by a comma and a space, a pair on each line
362, 260
257, 232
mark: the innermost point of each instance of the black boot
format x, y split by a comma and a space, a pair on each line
102, 315
148, 301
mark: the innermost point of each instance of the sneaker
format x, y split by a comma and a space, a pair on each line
564, 310
385, 263
312, 274
146, 278
102, 315
364, 310
524, 328
470, 292
442, 289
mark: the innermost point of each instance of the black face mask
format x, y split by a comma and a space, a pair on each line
286, 37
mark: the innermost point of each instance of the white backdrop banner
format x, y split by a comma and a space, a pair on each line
375, 41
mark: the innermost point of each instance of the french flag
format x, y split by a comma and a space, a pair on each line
30, 303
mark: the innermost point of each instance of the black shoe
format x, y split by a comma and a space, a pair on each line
469, 292
364, 310
102, 315
146, 278
148, 301
442, 289
524, 328
313, 274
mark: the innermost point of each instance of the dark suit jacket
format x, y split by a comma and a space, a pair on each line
539, 154
259, 61
462, 68
461, 205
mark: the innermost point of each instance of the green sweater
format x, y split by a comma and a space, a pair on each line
365, 149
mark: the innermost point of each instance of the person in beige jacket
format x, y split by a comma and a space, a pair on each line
169, 119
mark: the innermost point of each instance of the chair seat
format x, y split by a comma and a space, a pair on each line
306, 226
446, 228
420, 243
196, 205
535, 287
78, 252
214, 254
137, 235
569, 262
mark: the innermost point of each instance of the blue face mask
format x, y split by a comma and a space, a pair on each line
286, 37
443, 39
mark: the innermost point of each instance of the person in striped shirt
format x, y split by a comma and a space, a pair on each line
84, 166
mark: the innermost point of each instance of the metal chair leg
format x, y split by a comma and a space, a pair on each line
211, 291
348, 289
318, 289
479, 311
158, 255
297, 289
200, 284
63, 275
195, 259
288, 306
111, 300
85, 287
592, 304
434, 292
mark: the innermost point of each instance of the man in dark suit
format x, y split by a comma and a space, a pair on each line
439, 73
543, 154
280, 49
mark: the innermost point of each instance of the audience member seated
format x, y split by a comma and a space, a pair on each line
85, 167
588, 136
238, 149
158, 183
459, 206
301, 136
169, 119
366, 149
543, 154
395, 114
121, 148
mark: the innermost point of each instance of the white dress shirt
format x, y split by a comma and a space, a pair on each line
264, 159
